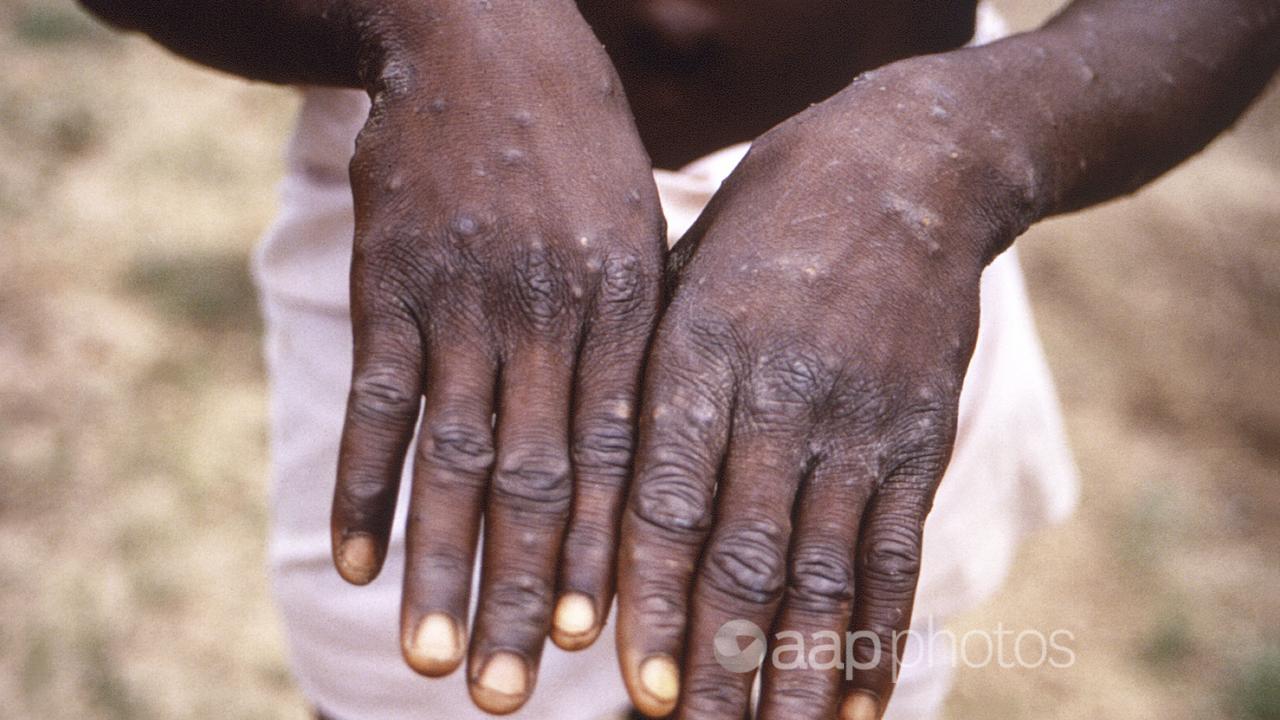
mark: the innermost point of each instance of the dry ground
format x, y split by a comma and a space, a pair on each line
132, 450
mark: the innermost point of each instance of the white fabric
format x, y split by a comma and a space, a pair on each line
1011, 470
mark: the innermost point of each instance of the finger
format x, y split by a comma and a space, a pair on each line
683, 432
742, 573
450, 473
603, 431
818, 602
382, 408
888, 570
529, 498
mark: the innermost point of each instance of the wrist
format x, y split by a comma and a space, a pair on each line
938, 121
404, 41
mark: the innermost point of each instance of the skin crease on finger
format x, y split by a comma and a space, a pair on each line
882, 395
491, 205
906, 227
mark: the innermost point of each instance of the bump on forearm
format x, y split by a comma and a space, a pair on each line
1113, 93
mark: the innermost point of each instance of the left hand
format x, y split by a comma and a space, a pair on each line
801, 396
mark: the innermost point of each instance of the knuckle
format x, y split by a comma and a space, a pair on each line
708, 337
922, 436
930, 407
891, 553
796, 374
788, 386
822, 577
602, 449
860, 407
383, 393
535, 479
693, 335
690, 414
746, 561
459, 449
391, 278
622, 285
538, 285
669, 497
918, 468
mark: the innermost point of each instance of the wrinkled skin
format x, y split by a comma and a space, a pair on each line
801, 398
799, 401
515, 272
822, 318
508, 272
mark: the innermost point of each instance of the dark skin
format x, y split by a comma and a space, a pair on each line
803, 359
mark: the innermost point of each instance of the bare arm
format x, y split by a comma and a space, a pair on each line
507, 255
1112, 93
316, 42
802, 388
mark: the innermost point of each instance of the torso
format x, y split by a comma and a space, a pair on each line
703, 74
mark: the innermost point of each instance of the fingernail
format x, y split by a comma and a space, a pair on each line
436, 648
575, 619
358, 559
860, 706
502, 684
660, 678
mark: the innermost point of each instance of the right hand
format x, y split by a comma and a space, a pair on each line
507, 260
802, 396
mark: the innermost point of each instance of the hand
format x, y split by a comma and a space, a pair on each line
801, 397
507, 260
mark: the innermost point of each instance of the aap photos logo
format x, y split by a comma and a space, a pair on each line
739, 646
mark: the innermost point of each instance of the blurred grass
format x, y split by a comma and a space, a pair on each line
1256, 695
210, 291
132, 419
1161, 317
49, 25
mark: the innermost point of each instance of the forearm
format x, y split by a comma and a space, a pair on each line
1104, 98
287, 41
349, 43
1112, 93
